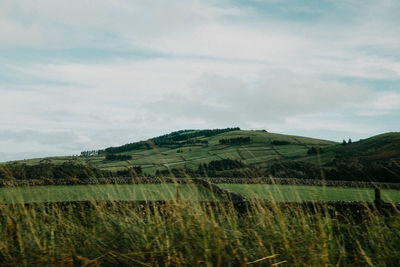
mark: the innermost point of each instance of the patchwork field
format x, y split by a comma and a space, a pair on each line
226, 152
261, 149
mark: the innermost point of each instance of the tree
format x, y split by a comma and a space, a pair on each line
314, 150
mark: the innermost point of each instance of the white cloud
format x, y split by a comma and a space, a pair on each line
175, 94
230, 42
336, 124
387, 101
88, 22
221, 65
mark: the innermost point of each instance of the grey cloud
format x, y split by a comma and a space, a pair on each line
44, 138
73, 107
273, 98
23, 144
70, 116
86, 22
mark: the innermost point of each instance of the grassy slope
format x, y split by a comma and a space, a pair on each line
259, 153
381, 147
384, 147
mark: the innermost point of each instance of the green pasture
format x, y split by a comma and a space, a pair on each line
136, 192
123, 192
296, 193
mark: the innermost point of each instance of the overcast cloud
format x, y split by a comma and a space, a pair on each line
84, 74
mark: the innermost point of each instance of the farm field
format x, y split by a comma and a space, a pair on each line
296, 193
125, 192
168, 191
226, 152
164, 157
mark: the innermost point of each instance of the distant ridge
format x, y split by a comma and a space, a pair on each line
232, 152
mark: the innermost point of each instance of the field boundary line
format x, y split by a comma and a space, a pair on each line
214, 180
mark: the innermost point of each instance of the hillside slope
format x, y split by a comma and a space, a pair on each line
259, 153
373, 159
189, 148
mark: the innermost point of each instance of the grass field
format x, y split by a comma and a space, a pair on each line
289, 193
123, 192
296, 193
191, 234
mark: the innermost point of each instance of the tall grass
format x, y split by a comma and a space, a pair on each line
192, 233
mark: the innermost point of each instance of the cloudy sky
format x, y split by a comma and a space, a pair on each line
85, 74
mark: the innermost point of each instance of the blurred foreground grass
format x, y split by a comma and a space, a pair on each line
182, 233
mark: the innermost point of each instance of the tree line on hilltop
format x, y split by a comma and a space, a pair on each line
114, 157
235, 141
175, 138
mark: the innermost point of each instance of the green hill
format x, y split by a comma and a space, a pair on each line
234, 152
190, 148
381, 147
374, 159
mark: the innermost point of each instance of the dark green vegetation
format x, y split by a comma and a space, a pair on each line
193, 234
48, 170
178, 138
229, 153
118, 157
235, 141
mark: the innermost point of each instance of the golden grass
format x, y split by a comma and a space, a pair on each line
185, 233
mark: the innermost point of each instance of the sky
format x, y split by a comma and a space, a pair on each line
88, 74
